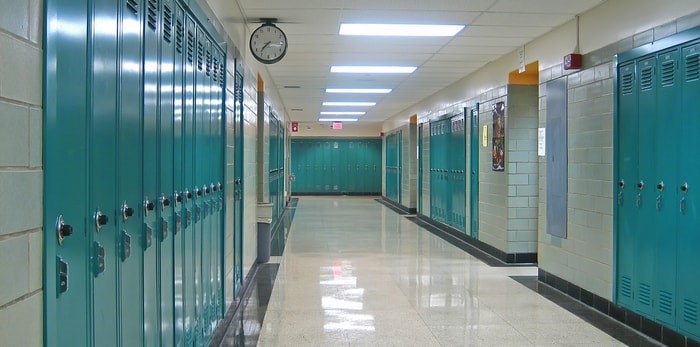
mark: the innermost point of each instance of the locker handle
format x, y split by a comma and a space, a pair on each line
164, 201
198, 192
188, 194
621, 184
684, 188
221, 186
149, 206
63, 230
660, 186
100, 220
640, 185
178, 197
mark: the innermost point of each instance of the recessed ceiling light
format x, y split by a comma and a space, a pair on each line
292, 87
399, 29
350, 90
373, 69
350, 113
297, 109
337, 119
333, 103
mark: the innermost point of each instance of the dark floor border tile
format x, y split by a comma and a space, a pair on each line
645, 327
281, 230
480, 250
398, 208
335, 194
260, 275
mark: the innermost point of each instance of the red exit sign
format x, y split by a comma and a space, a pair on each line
337, 125
295, 127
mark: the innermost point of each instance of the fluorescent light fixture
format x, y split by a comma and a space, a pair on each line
351, 113
358, 91
373, 69
337, 119
399, 29
336, 103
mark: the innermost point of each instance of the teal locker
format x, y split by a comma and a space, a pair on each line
627, 176
420, 169
219, 177
166, 222
102, 209
238, 180
474, 172
645, 200
179, 185
666, 169
206, 164
190, 193
129, 173
199, 208
67, 231
326, 162
318, 167
687, 205
151, 290
351, 166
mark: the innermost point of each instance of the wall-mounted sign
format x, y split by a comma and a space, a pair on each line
485, 136
498, 152
541, 141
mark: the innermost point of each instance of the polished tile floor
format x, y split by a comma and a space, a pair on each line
355, 273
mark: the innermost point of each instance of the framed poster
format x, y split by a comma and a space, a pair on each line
498, 152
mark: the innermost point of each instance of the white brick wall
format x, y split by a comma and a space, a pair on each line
21, 196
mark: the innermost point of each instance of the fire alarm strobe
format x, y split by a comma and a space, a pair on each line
573, 61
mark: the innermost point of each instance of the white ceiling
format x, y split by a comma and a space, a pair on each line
495, 27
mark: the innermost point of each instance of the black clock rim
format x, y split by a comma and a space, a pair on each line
263, 60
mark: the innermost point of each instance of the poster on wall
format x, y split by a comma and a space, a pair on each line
498, 153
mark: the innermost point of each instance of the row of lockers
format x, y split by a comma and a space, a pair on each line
657, 205
276, 165
392, 180
448, 183
134, 175
336, 166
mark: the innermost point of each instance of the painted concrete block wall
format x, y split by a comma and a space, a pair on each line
21, 176
230, 177
250, 179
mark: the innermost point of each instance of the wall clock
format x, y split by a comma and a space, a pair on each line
268, 43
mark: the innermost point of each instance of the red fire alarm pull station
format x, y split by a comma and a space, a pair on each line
573, 61
337, 125
295, 127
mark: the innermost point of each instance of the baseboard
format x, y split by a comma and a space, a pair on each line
396, 207
335, 194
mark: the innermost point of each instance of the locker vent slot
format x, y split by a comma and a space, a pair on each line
222, 71
208, 63
692, 67
215, 75
646, 81
179, 35
167, 24
644, 294
690, 312
200, 55
190, 46
133, 6
152, 14
666, 302
667, 73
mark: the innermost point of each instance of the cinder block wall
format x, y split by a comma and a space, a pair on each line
21, 175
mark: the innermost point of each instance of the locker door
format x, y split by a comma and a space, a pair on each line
627, 177
420, 170
219, 146
102, 209
688, 204
474, 173
351, 166
199, 176
179, 180
206, 163
646, 197
67, 241
151, 299
238, 181
327, 160
670, 97
190, 193
129, 173
318, 166
166, 222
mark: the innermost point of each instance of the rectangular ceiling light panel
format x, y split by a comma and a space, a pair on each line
340, 103
343, 113
373, 69
399, 29
337, 119
358, 91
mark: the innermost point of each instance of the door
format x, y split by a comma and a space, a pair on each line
474, 172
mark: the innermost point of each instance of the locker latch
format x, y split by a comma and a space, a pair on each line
163, 229
178, 198
126, 211
164, 202
126, 245
684, 190
99, 259
63, 230
178, 224
148, 206
100, 220
62, 273
197, 214
147, 236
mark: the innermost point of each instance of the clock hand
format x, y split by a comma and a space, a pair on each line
265, 46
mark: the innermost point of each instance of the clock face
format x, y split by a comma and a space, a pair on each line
268, 44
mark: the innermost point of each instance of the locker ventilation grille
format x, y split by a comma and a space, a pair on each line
152, 14
190, 46
167, 24
692, 67
666, 302
179, 33
133, 6
200, 55
646, 81
626, 287
644, 294
690, 312
208, 62
222, 72
627, 83
215, 75
667, 73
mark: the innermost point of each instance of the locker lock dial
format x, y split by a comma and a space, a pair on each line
126, 211
660, 186
684, 188
100, 220
214, 188
221, 186
164, 202
640, 185
188, 194
63, 230
622, 184
206, 189
198, 192
148, 206
178, 197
